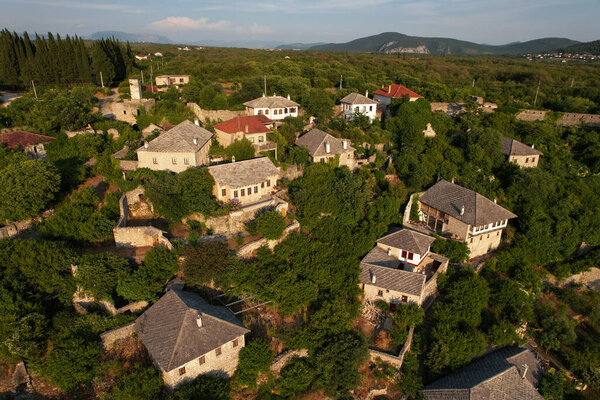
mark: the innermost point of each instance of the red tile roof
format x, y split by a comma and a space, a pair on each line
248, 124
13, 140
396, 91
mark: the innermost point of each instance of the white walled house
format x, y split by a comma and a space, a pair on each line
356, 103
273, 107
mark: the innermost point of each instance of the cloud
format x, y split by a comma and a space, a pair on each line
81, 5
189, 24
256, 29
296, 6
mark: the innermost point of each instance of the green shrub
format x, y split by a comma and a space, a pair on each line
255, 357
414, 209
456, 251
269, 224
137, 384
204, 387
296, 377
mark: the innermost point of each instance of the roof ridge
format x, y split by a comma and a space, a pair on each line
179, 334
223, 320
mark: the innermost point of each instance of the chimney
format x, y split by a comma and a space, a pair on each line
145, 145
533, 146
274, 94
199, 321
452, 179
373, 278
288, 96
264, 95
462, 210
232, 159
367, 93
389, 251
390, 89
327, 148
345, 144
495, 200
195, 140
525, 368
246, 129
197, 122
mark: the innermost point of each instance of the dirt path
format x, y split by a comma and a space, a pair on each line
105, 108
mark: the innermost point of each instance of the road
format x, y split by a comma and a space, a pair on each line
105, 108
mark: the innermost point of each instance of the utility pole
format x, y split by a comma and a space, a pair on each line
572, 81
101, 79
537, 92
341, 80
151, 80
34, 91
142, 77
265, 78
473, 82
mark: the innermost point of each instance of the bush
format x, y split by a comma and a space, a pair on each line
206, 262
456, 251
99, 274
137, 384
255, 357
205, 387
269, 224
296, 377
414, 209
240, 149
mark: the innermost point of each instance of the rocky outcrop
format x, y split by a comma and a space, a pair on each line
393, 47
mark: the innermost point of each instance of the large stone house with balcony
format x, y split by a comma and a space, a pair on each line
394, 91
245, 181
464, 215
322, 147
182, 147
186, 337
273, 107
521, 154
356, 103
402, 269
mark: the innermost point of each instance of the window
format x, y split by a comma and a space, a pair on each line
471, 241
260, 112
223, 192
186, 161
262, 185
404, 299
261, 139
251, 139
181, 371
201, 360
267, 111
268, 183
255, 189
403, 253
410, 256
526, 160
243, 192
154, 161
174, 161
380, 293
235, 343
235, 193
292, 110
218, 351
181, 80
124, 112
285, 110
371, 108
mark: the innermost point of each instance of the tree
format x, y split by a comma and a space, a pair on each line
255, 357
207, 262
319, 103
137, 384
295, 377
99, 274
204, 387
456, 251
28, 187
240, 149
551, 385
270, 224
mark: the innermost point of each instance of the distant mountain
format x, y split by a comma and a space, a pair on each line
247, 44
131, 37
299, 46
588, 48
393, 42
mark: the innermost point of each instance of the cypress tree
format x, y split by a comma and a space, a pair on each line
9, 63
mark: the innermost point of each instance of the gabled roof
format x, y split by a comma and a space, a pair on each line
170, 331
15, 139
172, 76
478, 209
495, 376
397, 92
247, 124
315, 139
180, 139
271, 102
409, 240
356, 98
244, 173
512, 147
397, 280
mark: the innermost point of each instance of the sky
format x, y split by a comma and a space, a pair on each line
288, 21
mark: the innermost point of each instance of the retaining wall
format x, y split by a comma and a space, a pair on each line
214, 115
110, 337
396, 361
249, 249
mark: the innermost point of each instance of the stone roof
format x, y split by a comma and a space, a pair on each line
356, 98
315, 139
378, 256
271, 102
247, 124
397, 280
396, 91
172, 76
512, 147
495, 376
531, 115
170, 331
180, 139
15, 139
478, 209
409, 240
244, 173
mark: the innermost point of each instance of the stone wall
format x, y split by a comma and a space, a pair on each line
291, 172
283, 359
136, 236
396, 361
249, 249
110, 337
484, 243
430, 289
127, 110
215, 115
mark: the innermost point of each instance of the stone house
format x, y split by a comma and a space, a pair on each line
246, 181
521, 154
186, 337
172, 80
532, 115
322, 147
464, 215
394, 91
356, 103
182, 147
402, 269
274, 107
126, 110
254, 128
508, 373
31, 144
